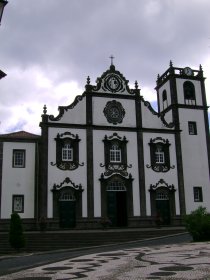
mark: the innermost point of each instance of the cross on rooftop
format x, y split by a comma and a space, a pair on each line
111, 57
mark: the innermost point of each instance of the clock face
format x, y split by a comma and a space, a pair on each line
188, 71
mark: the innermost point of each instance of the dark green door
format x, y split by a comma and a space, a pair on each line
163, 210
117, 208
67, 214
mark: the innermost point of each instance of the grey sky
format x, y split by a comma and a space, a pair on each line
48, 48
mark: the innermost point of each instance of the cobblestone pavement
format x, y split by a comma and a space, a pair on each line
185, 261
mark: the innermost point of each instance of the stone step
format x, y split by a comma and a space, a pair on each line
46, 241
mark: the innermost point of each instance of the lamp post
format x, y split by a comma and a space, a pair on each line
3, 3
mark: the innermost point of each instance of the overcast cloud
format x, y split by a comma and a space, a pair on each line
48, 48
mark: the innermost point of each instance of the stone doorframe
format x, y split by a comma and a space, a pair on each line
77, 191
129, 190
171, 195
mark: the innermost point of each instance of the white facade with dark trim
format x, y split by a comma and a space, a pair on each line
110, 157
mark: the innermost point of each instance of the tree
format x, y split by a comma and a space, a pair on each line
16, 236
198, 224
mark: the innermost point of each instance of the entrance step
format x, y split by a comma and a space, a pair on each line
54, 240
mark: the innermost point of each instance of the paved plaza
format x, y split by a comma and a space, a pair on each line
183, 261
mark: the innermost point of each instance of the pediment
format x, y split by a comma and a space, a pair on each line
112, 81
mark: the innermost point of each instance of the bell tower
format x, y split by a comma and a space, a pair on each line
182, 100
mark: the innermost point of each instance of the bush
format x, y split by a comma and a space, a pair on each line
16, 236
198, 224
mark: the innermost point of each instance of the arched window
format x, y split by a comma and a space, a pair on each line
164, 99
189, 93
115, 153
67, 152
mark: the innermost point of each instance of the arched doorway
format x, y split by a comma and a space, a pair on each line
162, 199
163, 206
67, 209
117, 203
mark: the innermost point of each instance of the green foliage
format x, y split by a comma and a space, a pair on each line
16, 236
198, 224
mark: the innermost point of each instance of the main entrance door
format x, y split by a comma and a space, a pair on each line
67, 210
117, 204
163, 207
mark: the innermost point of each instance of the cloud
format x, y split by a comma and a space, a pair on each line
48, 48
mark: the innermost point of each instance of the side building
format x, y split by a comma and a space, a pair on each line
110, 156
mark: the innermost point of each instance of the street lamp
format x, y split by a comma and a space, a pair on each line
3, 3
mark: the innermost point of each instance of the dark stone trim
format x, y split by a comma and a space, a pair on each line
180, 175
89, 151
90, 182
129, 189
77, 189
61, 140
43, 171
111, 95
113, 128
140, 153
36, 186
62, 109
206, 120
171, 194
184, 106
170, 72
1, 166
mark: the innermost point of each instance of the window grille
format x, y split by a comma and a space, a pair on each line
115, 153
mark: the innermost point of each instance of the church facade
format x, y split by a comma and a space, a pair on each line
109, 157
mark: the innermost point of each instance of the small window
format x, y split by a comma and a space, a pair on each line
198, 194
19, 158
159, 155
18, 203
192, 127
115, 153
67, 153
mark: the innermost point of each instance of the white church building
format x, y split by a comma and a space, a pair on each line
110, 156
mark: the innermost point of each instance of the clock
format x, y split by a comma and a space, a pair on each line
188, 71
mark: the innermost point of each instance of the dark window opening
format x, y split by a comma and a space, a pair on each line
192, 128
198, 194
189, 93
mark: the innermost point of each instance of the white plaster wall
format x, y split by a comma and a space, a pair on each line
57, 176
166, 87
98, 157
152, 177
77, 115
195, 160
149, 120
19, 181
180, 91
99, 103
